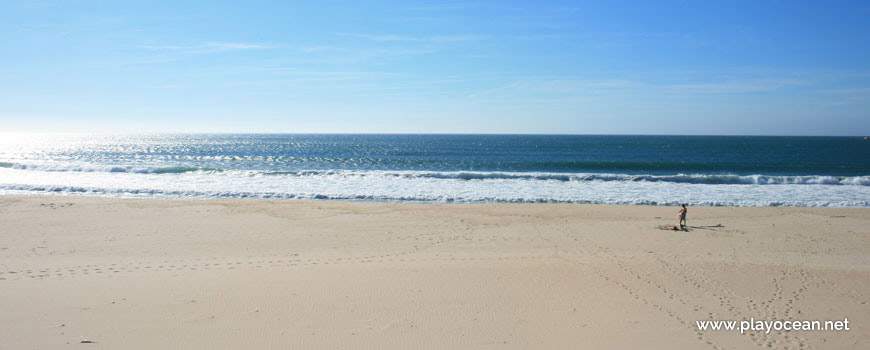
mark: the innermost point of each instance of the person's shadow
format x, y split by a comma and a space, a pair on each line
687, 228
710, 227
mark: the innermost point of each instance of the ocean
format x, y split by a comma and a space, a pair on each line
625, 169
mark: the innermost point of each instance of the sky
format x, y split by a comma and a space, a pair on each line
599, 67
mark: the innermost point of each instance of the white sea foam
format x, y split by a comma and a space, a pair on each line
724, 179
104, 169
713, 190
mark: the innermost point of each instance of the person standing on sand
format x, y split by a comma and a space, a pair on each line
682, 215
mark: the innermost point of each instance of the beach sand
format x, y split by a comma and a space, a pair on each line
255, 274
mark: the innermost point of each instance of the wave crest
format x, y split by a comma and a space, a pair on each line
172, 194
107, 169
704, 179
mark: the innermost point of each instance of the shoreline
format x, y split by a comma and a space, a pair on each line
229, 273
417, 202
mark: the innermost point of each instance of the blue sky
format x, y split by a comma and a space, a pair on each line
601, 67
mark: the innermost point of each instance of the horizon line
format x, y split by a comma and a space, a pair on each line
405, 133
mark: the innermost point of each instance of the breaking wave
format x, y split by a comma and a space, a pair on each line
709, 179
393, 197
106, 169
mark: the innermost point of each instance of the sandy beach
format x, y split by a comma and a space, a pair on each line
259, 274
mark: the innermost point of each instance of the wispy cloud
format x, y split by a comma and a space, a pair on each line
170, 86
208, 47
170, 53
325, 75
536, 87
348, 54
856, 91
843, 97
559, 87
321, 48
444, 6
738, 86
406, 38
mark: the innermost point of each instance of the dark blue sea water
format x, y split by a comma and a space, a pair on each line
538, 168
